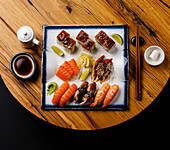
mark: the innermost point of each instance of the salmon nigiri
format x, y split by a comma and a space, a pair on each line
63, 74
68, 94
101, 94
59, 92
74, 66
68, 67
110, 95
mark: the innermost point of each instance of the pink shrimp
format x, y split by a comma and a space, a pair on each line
101, 94
110, 95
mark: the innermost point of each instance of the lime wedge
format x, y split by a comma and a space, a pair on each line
84, 75
57, 50
117, 38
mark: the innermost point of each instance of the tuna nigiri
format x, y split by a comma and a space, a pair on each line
63, 74
101, 94
110, 95
59, 92
74, 66
68, 94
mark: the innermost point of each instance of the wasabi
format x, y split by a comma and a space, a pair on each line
52, 87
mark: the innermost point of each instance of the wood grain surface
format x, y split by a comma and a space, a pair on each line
152, 16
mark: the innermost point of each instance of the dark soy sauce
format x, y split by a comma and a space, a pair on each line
23, 65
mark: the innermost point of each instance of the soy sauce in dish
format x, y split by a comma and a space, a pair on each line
23, 65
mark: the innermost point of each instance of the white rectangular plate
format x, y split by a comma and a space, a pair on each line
119, 55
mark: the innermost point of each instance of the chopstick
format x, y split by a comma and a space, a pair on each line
138, 77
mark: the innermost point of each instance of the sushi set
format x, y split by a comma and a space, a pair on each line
84, 67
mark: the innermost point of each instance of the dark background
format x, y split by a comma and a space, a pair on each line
19, 129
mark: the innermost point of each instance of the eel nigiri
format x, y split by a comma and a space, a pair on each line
82, 37
110, 95
69, 44
89, 45
62, 36
59, 92
91, 92
96, 64
68, 94
107, 71
81, 91
101, 94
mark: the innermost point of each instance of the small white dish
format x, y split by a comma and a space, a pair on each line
160, 58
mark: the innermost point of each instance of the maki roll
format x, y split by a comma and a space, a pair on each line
62, 36
88, 45
82, 37
69, 44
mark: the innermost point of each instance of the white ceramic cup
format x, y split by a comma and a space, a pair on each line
27, 37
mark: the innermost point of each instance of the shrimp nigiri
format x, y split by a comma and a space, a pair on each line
68, 94
101, 94
110, 95
59, 92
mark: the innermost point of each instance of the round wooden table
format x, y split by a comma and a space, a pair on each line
152, 18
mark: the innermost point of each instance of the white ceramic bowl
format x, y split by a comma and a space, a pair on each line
160, 58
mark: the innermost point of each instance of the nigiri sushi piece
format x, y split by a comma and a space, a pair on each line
101, 37
62, 36
74, 66
110, 95
108, 44
107, 71
89, 45
80, 91
91, 92
101, 94
68, 67
68, 94
63, 74
82, 37
59, 92
97, 62
100, 70
69, 44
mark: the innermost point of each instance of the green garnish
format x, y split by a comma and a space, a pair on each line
118, 38
84, 75
52, 87
57, 50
